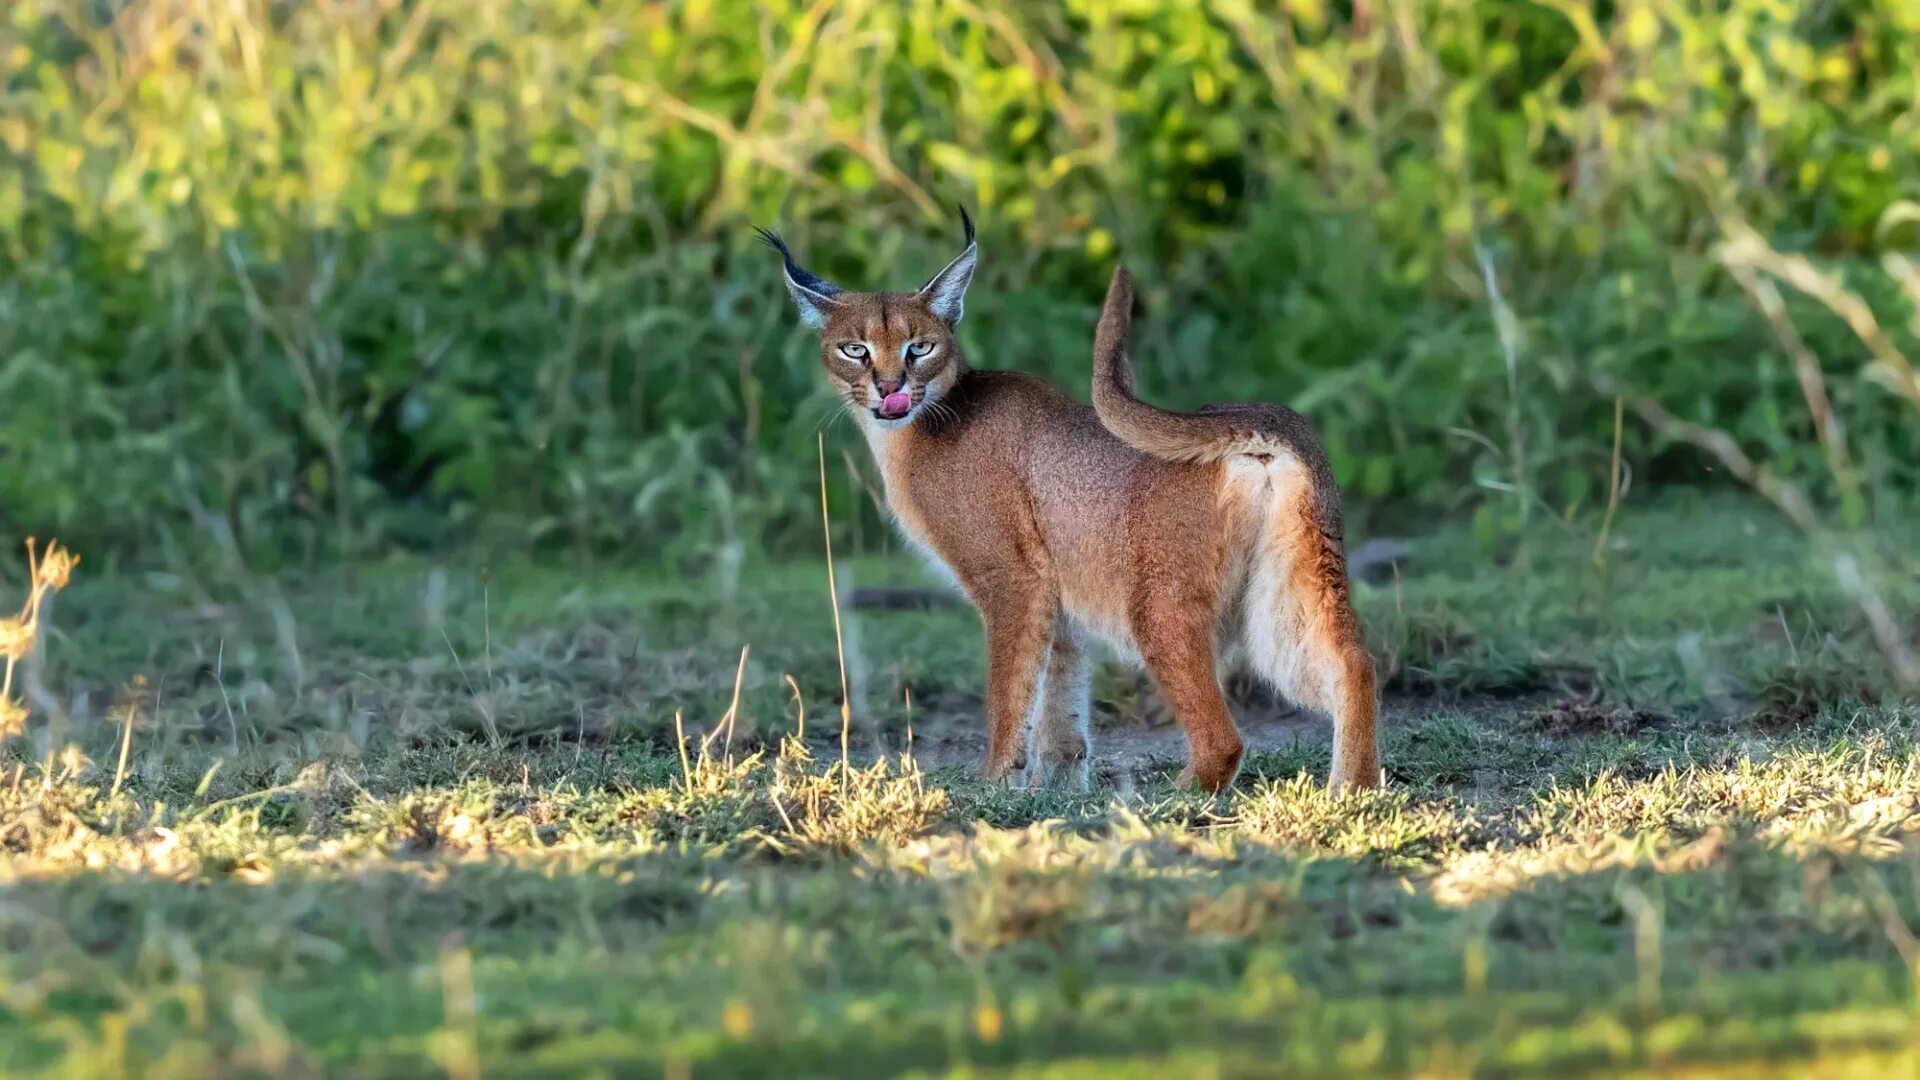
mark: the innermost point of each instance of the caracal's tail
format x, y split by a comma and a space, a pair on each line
1213, 433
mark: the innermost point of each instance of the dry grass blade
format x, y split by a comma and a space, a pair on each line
680, 741
47, 573
732, 714
800, 703
833, 597
126, 746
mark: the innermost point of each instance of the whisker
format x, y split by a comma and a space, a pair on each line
942, 410
833, 417
818, 409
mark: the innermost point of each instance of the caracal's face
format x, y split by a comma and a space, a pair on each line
889, 355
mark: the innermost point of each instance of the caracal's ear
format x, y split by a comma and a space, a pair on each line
813, 295
946, 291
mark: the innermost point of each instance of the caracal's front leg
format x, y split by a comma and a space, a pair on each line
1018, 614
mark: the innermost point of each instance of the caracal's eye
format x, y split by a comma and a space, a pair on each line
918, 349
854, 350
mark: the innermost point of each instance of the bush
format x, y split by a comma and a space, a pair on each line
306, 270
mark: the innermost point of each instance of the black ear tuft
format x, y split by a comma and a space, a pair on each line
946, 291
812, 294
772, 240
797, 274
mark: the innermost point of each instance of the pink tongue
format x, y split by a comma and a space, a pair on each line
896, 403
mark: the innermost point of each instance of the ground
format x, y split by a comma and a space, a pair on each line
1649, 811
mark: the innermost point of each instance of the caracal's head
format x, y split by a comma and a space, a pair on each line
891, 355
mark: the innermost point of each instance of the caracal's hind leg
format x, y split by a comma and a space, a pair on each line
1175, 639
1310, 646
1336, 678
1062, 746
1356, 745
1338, 650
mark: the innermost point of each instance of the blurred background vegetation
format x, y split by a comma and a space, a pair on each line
318, 278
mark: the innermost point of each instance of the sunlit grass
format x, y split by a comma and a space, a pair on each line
765, 887
1617, 851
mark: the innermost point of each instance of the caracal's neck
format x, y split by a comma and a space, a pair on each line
884, 440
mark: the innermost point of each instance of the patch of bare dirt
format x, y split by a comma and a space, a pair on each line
1570, 718
1132, 734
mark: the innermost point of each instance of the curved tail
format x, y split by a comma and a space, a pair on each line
1216, 432
1170, 435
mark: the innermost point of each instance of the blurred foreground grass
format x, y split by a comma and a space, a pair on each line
429, 821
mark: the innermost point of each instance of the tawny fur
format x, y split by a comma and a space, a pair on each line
1175, 538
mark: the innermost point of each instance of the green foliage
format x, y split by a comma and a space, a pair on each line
277, 267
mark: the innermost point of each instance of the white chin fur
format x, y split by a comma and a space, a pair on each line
894, 424
867, 416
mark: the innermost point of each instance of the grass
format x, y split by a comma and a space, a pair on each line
1656, 815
